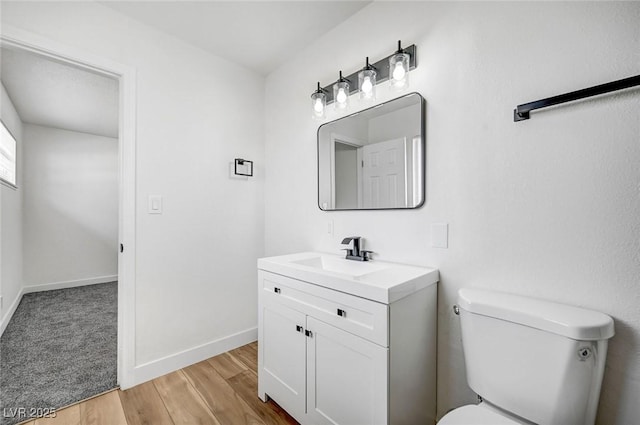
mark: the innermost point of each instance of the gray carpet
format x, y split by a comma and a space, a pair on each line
59, 348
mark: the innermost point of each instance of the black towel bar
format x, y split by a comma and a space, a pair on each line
522, 111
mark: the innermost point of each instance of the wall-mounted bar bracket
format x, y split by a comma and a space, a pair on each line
521, 112
382, 70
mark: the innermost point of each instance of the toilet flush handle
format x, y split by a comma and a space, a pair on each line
456, 310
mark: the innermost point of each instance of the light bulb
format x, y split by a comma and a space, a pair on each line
367, 87
398, 72
341, 93
367, 82
318, 106
342, 96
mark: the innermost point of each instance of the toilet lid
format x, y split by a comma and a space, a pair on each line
475, 415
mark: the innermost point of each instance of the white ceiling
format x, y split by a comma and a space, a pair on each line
256, 34
54, 94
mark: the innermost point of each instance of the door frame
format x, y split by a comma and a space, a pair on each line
345, 140
126, 76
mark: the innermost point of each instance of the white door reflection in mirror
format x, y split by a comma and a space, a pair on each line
383, 174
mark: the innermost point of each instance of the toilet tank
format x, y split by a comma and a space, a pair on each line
539, 360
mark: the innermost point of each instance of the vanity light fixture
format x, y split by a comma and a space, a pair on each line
399, 69
367, 82
318, 102
394, 67
341, 93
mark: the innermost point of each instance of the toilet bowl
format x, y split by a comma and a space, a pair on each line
531, 361
478, 414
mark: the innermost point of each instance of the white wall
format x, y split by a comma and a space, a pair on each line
70, 206
11, 221
547, 207
195, 263
386, 127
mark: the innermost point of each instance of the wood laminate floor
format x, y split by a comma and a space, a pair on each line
222, 390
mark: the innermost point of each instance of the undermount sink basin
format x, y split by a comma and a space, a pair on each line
375, 280
335, 264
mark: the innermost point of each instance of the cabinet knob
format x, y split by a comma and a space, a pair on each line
299, 328
308, 333
276, 290
342, 313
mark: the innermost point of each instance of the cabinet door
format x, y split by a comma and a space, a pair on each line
347, 381
282, 348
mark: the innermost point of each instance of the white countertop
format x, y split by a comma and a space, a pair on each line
379, 281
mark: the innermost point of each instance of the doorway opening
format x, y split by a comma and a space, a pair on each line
123, 244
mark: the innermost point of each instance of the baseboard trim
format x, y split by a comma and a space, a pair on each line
12, 309
151, 370
69, 284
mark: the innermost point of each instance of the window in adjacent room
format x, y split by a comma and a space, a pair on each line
7, 157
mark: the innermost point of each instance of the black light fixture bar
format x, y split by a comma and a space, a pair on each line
382, 69
521, 112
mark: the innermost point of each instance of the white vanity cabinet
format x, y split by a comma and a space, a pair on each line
330, 357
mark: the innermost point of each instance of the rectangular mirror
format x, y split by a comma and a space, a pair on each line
374, 159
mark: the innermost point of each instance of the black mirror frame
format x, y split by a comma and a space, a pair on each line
423, 158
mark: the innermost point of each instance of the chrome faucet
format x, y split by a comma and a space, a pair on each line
354, 252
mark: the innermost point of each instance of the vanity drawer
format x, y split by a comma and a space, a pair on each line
365, 318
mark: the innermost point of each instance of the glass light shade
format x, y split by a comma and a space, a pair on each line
341, 94
367, 84
318, 104
399, 71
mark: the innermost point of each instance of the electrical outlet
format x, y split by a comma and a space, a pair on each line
440, 235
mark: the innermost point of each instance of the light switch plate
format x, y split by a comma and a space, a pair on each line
155, 204
440, 235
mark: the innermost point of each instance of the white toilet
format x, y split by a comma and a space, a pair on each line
531, 361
